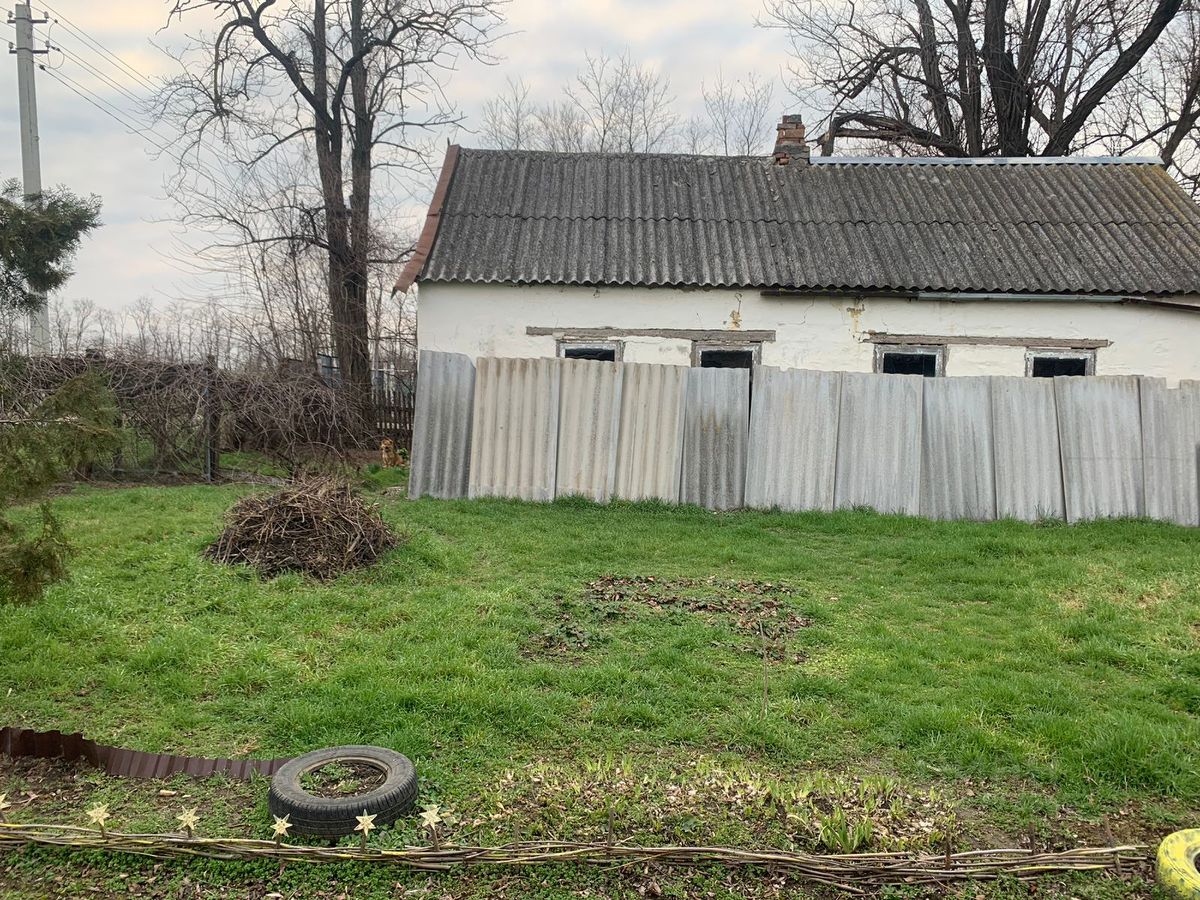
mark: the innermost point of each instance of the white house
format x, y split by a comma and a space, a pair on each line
932, 266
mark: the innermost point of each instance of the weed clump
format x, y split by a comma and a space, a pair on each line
318, 526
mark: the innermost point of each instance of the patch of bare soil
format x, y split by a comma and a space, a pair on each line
55, 791
758, 609
343, 779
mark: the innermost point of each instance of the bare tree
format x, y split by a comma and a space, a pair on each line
996, 77
739, 113
509, 119
625, 106
617, 105
340, 90
561, 127
613, 105
695, 136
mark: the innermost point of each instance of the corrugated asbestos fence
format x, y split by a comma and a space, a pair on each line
946, 448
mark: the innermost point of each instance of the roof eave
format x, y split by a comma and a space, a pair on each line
416, 263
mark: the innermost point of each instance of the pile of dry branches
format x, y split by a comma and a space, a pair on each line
318, 526
172, 415
856, 873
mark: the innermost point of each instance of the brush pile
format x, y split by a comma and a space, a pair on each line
318, 526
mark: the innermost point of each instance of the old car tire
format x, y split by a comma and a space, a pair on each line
335, 816
1177, 858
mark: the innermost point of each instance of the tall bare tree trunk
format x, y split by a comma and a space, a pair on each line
346, 229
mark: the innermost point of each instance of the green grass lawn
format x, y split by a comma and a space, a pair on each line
971, 683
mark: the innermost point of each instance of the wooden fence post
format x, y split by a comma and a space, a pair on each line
212, 422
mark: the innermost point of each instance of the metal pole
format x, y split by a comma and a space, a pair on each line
31, 160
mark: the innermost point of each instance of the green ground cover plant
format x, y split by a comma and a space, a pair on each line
821, 681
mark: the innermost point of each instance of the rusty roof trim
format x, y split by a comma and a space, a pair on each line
416, 262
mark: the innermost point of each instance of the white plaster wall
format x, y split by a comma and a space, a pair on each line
811, 333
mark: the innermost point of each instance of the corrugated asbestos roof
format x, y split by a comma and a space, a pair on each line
1111, 227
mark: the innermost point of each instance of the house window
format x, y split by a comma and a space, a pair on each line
725, 356
903, 359
603, 351
1051, 363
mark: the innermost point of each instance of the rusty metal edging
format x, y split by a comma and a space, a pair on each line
25, 742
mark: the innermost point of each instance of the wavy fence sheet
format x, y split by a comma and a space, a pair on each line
716, 427
1028, 461
650, 444
589, 421
1171, 451
958, 476
514, 432
879, 443
1100, 434
966, 448
792, 453
441, 446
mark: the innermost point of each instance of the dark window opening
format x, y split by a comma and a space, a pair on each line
601, 354
897, 363
727, 359
1052, 366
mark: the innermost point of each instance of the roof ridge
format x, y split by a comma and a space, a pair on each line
835, 160
1075, 223
987, 160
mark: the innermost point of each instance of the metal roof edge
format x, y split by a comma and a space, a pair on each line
416, 263
1175, 298
988, 160
842, 160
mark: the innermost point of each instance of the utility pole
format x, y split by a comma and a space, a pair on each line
31, 157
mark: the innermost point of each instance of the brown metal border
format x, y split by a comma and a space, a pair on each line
25, 742
416, 262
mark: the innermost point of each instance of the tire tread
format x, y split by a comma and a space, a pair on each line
334, 817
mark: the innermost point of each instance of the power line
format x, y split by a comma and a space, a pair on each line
92, 70
130, 120
87, 66
99, 47
215, 177
105, 107
95, 45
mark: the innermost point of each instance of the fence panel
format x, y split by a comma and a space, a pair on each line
959, 448
715, 431
1099, 430
394, 411
514, 430
1028, 460
958, 479
589, 420
879, 443
441, 444
1171, 451
793, 439
650, 444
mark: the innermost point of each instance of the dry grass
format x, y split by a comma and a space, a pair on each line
853, 873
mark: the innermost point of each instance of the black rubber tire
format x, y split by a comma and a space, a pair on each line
336, 816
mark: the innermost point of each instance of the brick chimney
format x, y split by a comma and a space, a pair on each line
789, 142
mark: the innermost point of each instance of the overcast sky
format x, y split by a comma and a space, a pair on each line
134, 254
